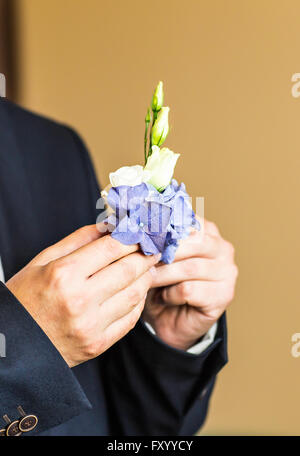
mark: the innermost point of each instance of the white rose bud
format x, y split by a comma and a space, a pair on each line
161, 164
128, 175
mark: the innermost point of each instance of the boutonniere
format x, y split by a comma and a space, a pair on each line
148, 206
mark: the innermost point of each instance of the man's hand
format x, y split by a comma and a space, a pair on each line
197, 288
86, 292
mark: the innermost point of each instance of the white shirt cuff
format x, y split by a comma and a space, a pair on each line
201, 346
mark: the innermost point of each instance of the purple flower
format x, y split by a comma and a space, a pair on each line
156, 221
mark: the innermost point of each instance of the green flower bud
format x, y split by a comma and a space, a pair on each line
160, 128
148, 117
158, 97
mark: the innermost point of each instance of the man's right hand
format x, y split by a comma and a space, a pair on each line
86, 292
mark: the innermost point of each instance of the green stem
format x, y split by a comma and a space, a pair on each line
145, 141
150, 142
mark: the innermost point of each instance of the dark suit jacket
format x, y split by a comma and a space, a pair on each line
140, 386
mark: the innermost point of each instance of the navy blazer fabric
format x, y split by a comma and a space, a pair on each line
140, 386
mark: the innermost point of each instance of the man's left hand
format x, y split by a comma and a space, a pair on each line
189, 295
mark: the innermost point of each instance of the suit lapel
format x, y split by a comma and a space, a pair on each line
18, 221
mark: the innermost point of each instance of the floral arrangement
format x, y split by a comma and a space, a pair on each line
149, 207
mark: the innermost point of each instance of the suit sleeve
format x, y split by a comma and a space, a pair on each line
33, 374
152, 388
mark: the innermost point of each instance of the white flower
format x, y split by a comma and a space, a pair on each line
128, 175
161, 164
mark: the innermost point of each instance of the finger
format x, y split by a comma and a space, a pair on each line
69, 244
211, 228
119, 275
121, 327
199, 245
207, 226
126, 300
190, 269
98, 254
204, 295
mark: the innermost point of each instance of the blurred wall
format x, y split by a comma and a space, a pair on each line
227, 67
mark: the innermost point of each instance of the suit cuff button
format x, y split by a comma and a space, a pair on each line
13, 430
28, 423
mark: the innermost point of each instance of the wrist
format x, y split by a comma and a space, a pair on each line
168, 338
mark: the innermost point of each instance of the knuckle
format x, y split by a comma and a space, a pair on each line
214, 315
128, 270
58, 275
135, 295
92, 350
229, 249
228, 293
73, 306
134, 318
185, 290
70, 300
112, 246
232, 292
89, 346
235, 271
189, 267
42, 257
79, 331
86, 232
211, 227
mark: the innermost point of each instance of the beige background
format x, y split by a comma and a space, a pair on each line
227, 67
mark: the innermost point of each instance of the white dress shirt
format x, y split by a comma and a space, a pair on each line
1, 271
196, 349
205, 342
